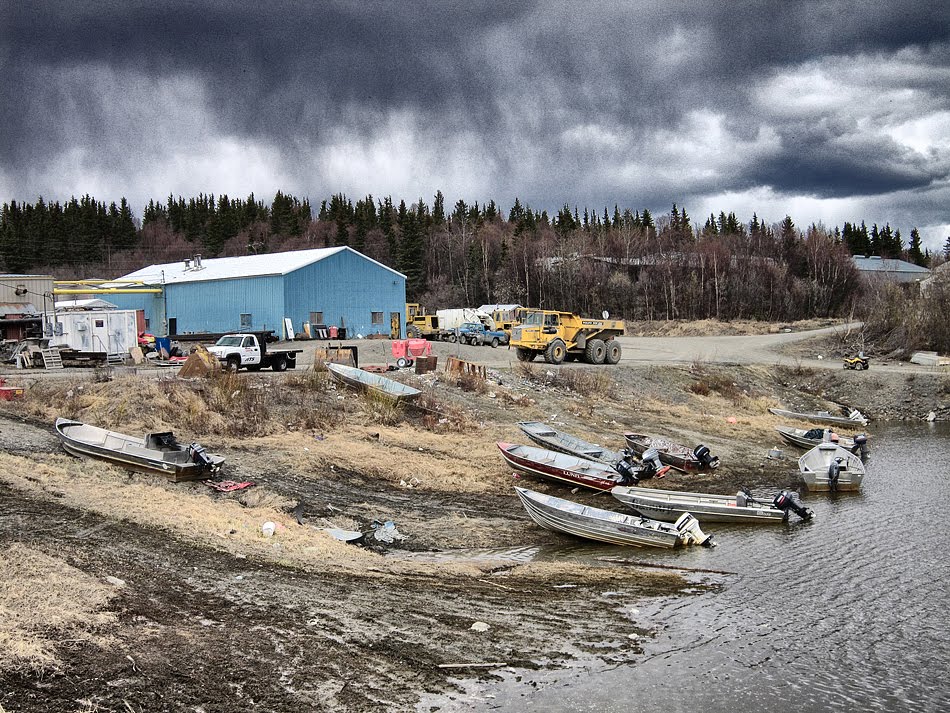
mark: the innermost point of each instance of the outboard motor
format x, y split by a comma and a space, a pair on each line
786, 501
834, 472
200, 456
630, 474
860, 447
688, 527
705, 457
651, 463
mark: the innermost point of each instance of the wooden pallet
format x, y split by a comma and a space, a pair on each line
52, 358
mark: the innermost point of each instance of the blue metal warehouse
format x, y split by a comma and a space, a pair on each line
328, 286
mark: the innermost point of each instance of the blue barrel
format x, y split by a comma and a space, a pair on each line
163, 343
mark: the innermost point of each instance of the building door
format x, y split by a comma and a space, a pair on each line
395, 325
173, 326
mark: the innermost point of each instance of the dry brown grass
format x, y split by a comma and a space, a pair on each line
456, 462
595, 382
43, 603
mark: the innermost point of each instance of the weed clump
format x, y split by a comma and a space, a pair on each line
596, 382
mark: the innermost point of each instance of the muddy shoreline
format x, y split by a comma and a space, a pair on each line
212, 616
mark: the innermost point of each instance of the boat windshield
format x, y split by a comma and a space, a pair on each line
230, 340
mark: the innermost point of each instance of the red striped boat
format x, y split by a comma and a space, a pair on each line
560, 466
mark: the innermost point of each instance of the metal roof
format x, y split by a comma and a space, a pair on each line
226, 268
17, 308
503, 308
879, 264
91, 303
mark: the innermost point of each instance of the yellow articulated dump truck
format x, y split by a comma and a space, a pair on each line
561, 336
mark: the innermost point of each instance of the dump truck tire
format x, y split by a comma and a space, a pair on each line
555, 352
595, 352
613, 352
525, 354
413, 332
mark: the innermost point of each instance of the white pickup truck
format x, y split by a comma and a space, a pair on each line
249, 351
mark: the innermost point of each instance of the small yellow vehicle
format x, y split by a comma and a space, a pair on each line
859, 362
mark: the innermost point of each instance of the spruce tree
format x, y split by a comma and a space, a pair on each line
914, 253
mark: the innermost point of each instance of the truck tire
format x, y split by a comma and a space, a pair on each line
595, 352
613, 352
494, 342
452, 338
413, 331
555, 352
279, 364
233, 363
525, 354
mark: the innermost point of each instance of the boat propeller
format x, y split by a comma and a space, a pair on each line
786, 501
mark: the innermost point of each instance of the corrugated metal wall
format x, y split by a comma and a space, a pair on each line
346, 286
217, 306
36, 286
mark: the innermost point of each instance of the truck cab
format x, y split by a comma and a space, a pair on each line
477, 333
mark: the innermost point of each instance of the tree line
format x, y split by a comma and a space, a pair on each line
52, 234
629, 262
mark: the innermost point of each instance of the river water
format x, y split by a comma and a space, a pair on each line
847, 612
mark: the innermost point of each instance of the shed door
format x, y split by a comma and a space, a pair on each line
395, 325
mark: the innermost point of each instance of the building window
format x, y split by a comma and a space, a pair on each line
377, 318
100, 323
316, 318
147, 320
246, 321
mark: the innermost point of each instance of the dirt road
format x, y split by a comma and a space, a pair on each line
785, 348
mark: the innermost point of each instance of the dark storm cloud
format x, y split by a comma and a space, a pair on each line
515, 78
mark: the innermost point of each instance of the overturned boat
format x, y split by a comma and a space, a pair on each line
854, 417
555, 440
670, 505
801, 438
367, 381
155, 453
608, 526
673, 454
830, 467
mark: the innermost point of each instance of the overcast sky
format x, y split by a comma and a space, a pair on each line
826, 111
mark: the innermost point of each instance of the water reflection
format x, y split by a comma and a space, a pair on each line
845, 612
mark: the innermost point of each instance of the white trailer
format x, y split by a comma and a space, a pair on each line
452, 319
109, 331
